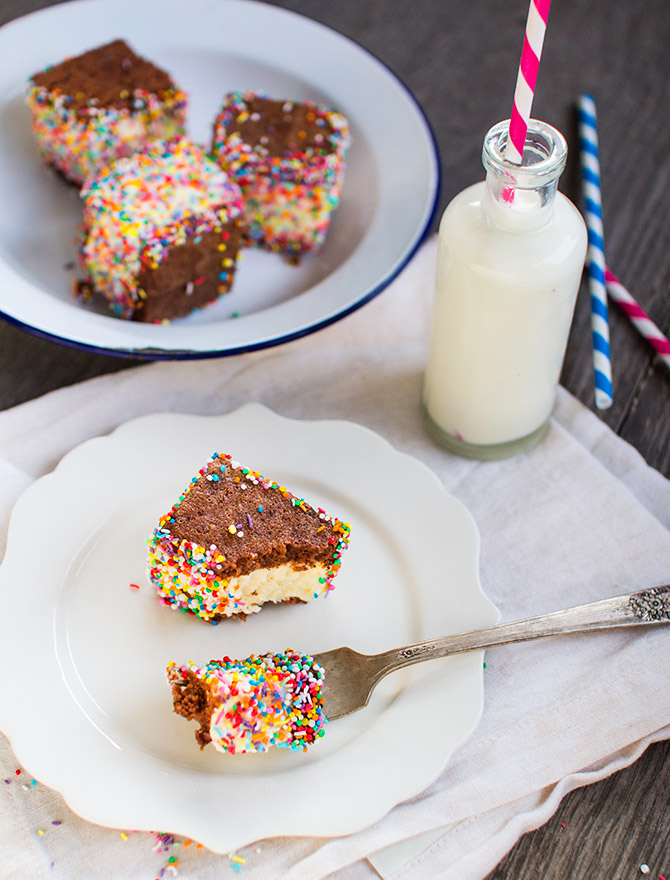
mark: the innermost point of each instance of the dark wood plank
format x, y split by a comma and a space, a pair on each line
459, 59
31, 366
607, 831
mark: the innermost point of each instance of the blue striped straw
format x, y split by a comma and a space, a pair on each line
600, 331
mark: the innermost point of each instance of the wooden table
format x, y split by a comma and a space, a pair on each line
459, 58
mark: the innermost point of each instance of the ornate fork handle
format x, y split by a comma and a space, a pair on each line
649, 606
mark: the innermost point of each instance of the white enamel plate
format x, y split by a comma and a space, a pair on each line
211, 48
103, 732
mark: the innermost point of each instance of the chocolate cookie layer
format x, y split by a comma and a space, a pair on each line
191, 276
282, 127
251, 526
108, 76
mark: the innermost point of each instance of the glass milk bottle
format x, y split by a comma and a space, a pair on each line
511, 254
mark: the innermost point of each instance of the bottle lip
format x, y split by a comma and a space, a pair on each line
544, 156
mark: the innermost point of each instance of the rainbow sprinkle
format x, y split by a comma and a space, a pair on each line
289, 198
204, 580
141, 207
253, 704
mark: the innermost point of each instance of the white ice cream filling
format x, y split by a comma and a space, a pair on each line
276, 585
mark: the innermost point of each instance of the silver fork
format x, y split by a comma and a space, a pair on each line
351, 677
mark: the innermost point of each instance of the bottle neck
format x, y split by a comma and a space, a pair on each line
521, 197
517, 209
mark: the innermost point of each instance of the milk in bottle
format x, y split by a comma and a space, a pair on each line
511, 254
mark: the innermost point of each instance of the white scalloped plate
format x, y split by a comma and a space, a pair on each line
210, 48
102, 731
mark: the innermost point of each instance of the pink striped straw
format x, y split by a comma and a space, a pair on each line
641, 321
536, 25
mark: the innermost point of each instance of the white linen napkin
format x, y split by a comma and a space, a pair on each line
579, 518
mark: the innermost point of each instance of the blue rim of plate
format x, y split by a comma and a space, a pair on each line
153, 354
